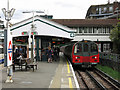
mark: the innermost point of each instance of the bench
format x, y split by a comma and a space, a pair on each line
31, 65
19, 63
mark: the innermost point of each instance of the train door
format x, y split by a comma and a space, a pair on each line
86, 49
86, 52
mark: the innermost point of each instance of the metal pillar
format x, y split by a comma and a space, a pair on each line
8, 46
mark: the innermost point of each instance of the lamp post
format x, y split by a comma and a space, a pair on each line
8, 42
33, 30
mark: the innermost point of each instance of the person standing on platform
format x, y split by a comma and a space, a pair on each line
58, 50
55, 53
49, 54
15, 53
20, 50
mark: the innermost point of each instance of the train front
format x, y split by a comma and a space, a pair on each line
85, 54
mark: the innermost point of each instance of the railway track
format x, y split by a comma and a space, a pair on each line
95, 79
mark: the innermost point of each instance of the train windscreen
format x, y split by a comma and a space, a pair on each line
85, 48
94, 48
78, 49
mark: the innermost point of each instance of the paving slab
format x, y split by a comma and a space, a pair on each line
40, 78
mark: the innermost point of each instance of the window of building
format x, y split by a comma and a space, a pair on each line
104, 30
108, 30
111, 9
96, 9
106, 47
85, 30
90, 30
77, 30
105, 9
80, 30
100, 10
99, 30
94, 30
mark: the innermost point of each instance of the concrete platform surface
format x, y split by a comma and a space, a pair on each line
57, 74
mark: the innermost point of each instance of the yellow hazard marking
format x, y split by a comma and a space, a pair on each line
70, 83
68, 67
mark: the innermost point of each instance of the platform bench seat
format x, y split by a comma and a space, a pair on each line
18, 64
31, 65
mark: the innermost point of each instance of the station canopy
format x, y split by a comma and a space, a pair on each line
43, 27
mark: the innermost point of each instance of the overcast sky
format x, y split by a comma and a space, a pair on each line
60, 9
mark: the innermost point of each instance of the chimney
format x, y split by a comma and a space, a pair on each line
108, 1
115, 5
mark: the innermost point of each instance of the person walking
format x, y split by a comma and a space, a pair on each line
49, 54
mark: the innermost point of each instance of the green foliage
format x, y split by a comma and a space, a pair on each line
113, 73
115, 38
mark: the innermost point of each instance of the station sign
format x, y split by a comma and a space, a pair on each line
72, 35
9, 48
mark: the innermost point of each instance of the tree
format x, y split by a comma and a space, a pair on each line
115, 38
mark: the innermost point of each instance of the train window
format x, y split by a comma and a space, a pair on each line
94, 48
75, 49
85, 48
78, 48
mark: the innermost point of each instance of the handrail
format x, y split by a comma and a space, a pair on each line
110, 56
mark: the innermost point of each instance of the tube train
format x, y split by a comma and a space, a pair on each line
83, 53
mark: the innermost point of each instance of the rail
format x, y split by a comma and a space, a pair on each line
108, 77
96, 79
98, 83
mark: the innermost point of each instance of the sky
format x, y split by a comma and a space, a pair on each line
60, 9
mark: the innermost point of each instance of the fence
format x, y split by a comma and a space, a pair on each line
110, 59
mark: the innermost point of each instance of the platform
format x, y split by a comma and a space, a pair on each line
57, 74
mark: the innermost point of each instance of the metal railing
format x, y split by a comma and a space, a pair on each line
110, 56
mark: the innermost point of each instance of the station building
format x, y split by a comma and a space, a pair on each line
97, 30
46, 33
50, 32
104, 11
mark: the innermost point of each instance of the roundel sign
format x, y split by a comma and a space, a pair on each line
10, 50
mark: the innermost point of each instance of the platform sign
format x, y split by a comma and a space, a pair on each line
9, 48
72, 35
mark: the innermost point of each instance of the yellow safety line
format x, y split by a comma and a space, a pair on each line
68, 67
70, 83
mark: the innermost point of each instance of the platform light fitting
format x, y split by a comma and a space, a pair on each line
8, 14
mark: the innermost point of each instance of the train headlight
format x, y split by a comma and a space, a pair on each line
77, 57
94, 57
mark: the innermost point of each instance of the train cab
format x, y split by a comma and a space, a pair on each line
83, 53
